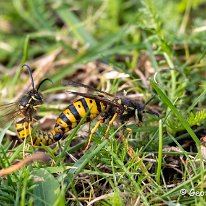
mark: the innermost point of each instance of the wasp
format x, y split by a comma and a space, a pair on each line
23, 111
107, 106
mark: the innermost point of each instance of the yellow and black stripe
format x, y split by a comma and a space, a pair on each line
89, 105
72, 115
43, 138
66, 121
22, 127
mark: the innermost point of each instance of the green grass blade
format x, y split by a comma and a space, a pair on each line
3, 132
184, 122
76, 26
159, 153
25, 51
80, 164
183, 185
95, 53
198, 99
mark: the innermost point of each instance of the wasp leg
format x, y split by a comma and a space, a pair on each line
92, 132
110, 124
26, 134
30, 133
24, 146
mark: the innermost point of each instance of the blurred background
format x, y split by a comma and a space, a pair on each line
99, 40
117, 46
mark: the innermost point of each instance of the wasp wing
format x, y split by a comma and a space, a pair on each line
8, 108
101, 98
8, 112
77, 84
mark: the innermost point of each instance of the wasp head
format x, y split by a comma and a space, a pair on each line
131, 108
32, 100
142, 110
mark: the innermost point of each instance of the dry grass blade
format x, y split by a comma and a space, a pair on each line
38, 156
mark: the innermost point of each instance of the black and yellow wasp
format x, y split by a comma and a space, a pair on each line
23, 111
104, 105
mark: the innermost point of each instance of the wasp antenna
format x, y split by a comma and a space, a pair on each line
30, 73
148, 101
47, 79
152, 112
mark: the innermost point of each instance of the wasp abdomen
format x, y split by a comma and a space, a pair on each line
44, 137
23, 127
73, 114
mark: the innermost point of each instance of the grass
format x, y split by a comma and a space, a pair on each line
142, 48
